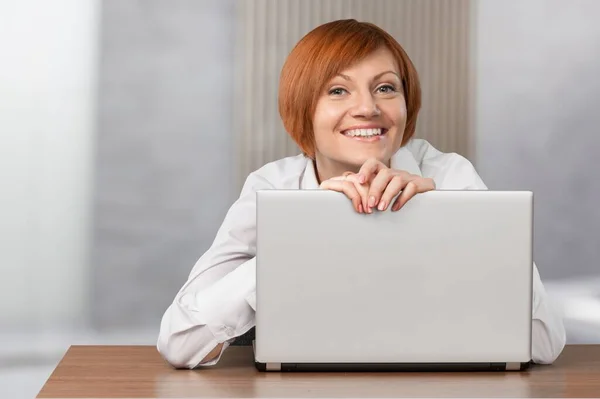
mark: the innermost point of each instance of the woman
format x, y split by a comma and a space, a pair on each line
349, 96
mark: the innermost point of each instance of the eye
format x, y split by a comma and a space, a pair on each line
337, 91
386, 89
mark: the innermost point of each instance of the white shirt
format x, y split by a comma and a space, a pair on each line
217, 303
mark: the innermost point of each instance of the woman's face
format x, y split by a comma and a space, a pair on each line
361, 114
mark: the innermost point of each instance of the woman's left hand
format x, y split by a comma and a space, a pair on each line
386, 183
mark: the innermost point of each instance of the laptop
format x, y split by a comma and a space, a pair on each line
443, 284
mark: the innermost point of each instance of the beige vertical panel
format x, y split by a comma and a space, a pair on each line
435, 34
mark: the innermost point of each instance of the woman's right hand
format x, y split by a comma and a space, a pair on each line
349, 185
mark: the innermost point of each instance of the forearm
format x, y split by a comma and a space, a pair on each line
200, 323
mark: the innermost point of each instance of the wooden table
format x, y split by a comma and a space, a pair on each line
139, 371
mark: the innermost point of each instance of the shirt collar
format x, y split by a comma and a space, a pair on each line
403, 159
309, 178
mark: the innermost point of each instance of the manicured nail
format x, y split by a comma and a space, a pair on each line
372, 201
381, 206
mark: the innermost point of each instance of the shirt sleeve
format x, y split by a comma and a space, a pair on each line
216, 304
452, 171
548, 337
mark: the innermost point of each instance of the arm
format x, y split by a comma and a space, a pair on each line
548, 337
212, 307
548, 332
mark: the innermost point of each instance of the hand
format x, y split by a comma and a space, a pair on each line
386, 183
348, 184
212, 355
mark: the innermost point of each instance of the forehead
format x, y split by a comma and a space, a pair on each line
376, 62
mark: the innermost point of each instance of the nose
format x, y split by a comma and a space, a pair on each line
365, 106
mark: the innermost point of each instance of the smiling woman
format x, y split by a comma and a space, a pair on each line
316, 80
362, 94
349, 97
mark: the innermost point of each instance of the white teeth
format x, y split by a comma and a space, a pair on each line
363, 132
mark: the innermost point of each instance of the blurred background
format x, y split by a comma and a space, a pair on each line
128, 126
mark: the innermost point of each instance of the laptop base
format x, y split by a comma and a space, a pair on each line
389, 367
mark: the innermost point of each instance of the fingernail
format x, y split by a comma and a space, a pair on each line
372, 201
361, 179
360, 208
381, 206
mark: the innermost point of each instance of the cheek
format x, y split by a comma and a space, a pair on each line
327, 118
397, 112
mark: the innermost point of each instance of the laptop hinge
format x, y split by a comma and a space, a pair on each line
273, 366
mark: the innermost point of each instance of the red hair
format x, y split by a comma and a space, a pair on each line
325, 52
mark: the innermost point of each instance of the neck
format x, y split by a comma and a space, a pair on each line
325, 172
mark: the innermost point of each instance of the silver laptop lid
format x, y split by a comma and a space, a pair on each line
448, 278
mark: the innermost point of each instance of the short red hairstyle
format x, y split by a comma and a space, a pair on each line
322, 54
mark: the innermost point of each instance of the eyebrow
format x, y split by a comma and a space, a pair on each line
346, 77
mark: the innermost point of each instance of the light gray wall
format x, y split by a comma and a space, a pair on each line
47, 65
538, 124
164, 151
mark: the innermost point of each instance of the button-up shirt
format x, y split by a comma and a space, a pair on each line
217, 303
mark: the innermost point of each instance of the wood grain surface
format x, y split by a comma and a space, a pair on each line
140, 372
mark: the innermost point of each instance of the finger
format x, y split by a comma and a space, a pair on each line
346, 187
408, 192
393, 189
362, 189
378, 186
371, 167
352, 192
413, 187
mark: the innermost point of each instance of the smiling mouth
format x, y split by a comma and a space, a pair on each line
365, 134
